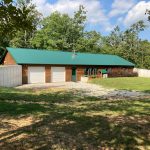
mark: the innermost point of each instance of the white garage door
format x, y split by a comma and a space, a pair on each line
36, 74
58, 74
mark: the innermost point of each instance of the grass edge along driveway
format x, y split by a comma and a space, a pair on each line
125, 83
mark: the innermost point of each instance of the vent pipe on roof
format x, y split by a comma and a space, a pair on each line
74, 54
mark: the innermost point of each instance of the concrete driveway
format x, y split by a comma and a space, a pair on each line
88, 89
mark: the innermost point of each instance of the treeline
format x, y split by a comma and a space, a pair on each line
62, 32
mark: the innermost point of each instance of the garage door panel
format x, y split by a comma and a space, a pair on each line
58, 74
36, 75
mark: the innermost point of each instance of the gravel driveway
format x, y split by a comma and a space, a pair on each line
88, 89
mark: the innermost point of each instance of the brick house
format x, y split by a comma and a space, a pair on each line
43, 66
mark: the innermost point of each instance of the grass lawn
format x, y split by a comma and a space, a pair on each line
126, 83
58, 119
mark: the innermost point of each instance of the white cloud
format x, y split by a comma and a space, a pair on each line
120, 20
137, 13
120, 7
95, 14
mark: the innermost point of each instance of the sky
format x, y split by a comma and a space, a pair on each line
102, 15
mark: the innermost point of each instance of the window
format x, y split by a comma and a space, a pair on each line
89, 71
86, 71
95, 71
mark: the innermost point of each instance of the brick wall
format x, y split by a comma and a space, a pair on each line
80, 72
24, 74
68, 73
121, 72
48, 74
8, 60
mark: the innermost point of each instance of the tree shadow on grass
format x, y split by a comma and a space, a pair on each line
69, 122
15, 109
127, 107
29, 96
147, 91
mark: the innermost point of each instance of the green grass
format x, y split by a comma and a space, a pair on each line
127, 83
65, 120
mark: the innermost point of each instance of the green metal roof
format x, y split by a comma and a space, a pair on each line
32, 56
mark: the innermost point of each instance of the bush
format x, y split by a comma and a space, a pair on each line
123, 74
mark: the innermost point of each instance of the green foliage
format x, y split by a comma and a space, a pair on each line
54, 32
21, 39
128, 45
2, 54
90, 42
144, 54
114, 40
59, 31
15, 16
25, 28
148, 12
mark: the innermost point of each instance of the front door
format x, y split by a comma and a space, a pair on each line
74, 74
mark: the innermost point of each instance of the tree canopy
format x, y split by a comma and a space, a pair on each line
59, 31
62, 32
16, 16
148, 13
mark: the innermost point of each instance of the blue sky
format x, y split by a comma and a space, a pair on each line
102, 15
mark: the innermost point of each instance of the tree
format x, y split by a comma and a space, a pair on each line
131, 41
148, 13
22, 37
90, 42
2, 54
144, 55
127, 44
77, 27
14, 17
53, 34
59, 31
114, 40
